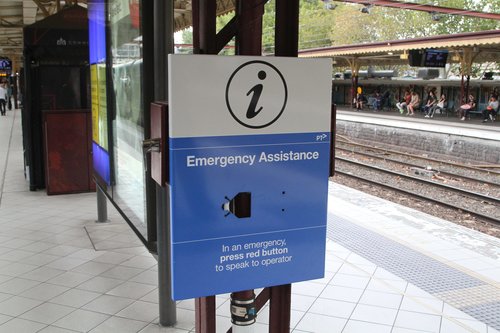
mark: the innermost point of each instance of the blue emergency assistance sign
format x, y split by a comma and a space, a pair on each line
249, 142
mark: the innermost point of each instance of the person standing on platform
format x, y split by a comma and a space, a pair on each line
3, 98
377, 104
14, 95
8, 87
359, 99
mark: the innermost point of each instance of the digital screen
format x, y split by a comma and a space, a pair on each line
435, 58
5, 65
415, 58
428, 58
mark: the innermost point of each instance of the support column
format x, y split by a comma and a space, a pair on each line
163, 45
286, 45
204, 42
102, 205
204, 26
205, 314
249, 37
466, 69
167, 307
248, 42
279, 309
354, 64
287, 28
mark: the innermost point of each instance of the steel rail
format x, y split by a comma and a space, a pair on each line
422, 167
470, 194
423, 158
422, 197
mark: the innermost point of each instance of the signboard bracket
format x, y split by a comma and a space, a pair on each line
157, 145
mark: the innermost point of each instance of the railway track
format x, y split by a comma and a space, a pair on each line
485, 207
487, 176
437, 175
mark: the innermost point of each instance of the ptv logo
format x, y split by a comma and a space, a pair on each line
256, 94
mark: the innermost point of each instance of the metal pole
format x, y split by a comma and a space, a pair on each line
163, 45
243, 311
102, 205
167, 307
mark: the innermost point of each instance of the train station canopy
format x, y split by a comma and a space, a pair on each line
484, 45
16, 14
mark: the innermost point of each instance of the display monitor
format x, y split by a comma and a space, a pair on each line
428, 58
415, 58
5, 65
435, 58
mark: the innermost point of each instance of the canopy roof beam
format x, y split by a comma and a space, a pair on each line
425, 8
42, 7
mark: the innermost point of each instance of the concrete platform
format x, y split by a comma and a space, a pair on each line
473, 128
388, 268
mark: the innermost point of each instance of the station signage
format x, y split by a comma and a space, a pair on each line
249, 141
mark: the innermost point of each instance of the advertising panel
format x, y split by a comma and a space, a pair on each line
97, 54
249, 142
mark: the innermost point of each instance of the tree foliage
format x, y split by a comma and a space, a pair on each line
346, 24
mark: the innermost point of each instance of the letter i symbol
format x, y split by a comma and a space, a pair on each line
257, 91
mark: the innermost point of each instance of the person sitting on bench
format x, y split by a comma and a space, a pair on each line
463, 111
404, 103
491, 110
431, 102
439, 106
414, 103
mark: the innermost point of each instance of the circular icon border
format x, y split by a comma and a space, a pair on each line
227, 94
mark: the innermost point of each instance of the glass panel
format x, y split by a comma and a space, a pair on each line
128, 123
